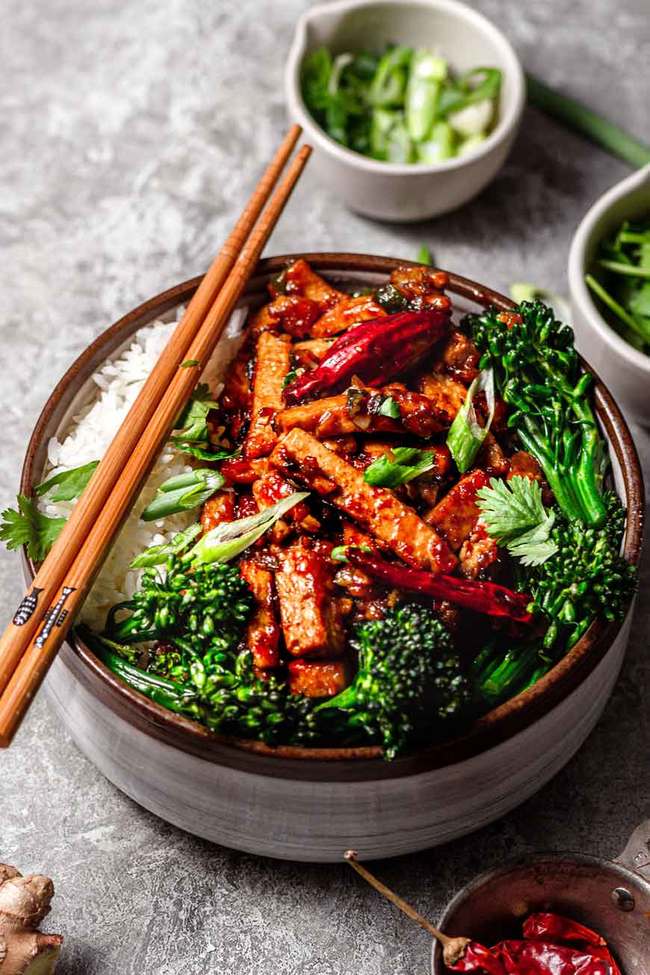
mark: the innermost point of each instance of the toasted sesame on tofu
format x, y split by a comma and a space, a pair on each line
491, 457
300, 279
336, 416
263, 631
393, 524
272, 363
447, 393
456, 515
310, 617
270, 488
218, 509
418, 282
346, 313
523, 464
289, 313
331, 417
460, 357
311, 351
478, 554
322, 678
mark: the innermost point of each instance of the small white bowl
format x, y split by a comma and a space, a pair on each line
407, 191
622, 367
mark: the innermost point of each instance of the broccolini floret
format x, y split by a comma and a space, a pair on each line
409, 680
202, 610
586, 578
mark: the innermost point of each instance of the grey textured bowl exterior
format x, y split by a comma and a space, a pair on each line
311, 804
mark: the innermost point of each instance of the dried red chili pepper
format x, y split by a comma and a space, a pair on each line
482, 597
477, 958
549, 927
375, 351
540, 958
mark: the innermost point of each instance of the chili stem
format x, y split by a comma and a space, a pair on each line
395, 899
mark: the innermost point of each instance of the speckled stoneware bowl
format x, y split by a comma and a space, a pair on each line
467, 39
312, 804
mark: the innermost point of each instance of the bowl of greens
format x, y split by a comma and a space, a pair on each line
609, 278
412, 106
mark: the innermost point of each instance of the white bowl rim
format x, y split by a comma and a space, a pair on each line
580, 293
503, 130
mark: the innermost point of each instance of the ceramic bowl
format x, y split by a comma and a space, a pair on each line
312, 804
625, 369
407, 192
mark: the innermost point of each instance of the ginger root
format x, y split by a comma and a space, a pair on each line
24, 902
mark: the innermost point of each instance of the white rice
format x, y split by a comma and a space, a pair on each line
109, 396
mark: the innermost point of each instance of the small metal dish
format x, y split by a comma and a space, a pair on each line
610, 896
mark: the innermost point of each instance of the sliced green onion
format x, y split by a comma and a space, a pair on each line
389, 408
67, 485
466, 435
183, 492
440, 145
227, 540
425, 77
399, 466
580, 118
158, 554
424, 255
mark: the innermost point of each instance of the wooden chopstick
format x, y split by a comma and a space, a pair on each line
134, 469
48, 580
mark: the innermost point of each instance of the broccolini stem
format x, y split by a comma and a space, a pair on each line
513, 673
560, 484
170, 694
581, 119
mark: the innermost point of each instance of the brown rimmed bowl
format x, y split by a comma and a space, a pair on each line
310, 804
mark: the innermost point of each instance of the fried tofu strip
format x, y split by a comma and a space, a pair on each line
330, 417
289, 313
263, 631
310, 615
333, 416
460, 358
456, 515
448, 394
478, 554
270, 488
419, 282
300, 279
395, 526
346, 313
311, 351
272, 364
324, 678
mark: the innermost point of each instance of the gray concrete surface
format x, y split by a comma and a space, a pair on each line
131, 134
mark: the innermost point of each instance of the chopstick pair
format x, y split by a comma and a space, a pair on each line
43, 618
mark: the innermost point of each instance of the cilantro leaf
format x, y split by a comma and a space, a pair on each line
514, 515
398, 466
67, 485
28, 526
